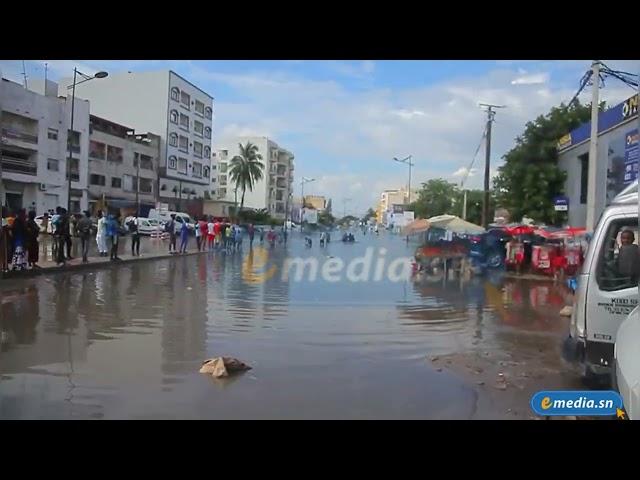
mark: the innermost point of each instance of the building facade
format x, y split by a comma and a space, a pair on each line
616, 164
167, 104
35, 149
273, 192
121, 161
391, 197
317, 202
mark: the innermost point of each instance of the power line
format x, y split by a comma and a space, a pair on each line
475, 155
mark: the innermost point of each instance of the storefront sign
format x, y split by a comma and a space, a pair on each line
561, 204
630, 107
564, 142
631, 157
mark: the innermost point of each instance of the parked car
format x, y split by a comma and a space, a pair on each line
146, 226
164, 216
626, 374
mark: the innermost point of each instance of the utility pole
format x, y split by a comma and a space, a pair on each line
593, 147
487, 164
407, 161
464, 205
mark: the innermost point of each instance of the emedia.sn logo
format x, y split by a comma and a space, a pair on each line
578, 403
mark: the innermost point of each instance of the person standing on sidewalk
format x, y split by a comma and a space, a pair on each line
252, 232
33, 246
211, 233
62, 232
198, 232
204, 227
135, 236
68, 238
18, 238
113, 234
170, 228
84, 232
101, 234
184, 237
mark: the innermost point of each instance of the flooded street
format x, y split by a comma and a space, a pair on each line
127, 342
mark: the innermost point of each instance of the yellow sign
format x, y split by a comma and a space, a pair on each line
630, 107
565, 141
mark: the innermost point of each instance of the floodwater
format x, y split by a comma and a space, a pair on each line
127, 342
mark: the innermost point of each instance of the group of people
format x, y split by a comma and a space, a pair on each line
19, 246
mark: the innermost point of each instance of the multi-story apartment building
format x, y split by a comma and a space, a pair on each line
164, 103
389, 198
273, 192
36, 145
317, 202
121, 161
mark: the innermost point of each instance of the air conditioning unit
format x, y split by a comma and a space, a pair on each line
43, 187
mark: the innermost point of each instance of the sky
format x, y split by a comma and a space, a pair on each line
345, 121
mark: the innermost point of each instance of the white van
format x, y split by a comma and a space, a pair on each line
626, 375
163, 216
607, 290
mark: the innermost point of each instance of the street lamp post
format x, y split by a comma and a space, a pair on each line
302, 182
407, 161
86, 78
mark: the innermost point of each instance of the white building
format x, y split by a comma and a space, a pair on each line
164, 103
34, 134
273, 191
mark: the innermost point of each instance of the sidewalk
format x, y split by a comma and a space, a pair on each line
150, 249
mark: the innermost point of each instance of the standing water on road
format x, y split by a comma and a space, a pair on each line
128, 341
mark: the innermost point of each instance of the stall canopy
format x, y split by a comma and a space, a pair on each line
455, 224
417, 226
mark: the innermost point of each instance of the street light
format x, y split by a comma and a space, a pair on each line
302, 182
86, 78
407, 161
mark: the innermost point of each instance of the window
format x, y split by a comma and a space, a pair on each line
207, 152
146, 185
184, 121
52, 134
222, 192
184, 144
205, 172
198, 127
207, 132
213, 180
97, 150
116, 182
208, 112
197, 149
175, 94
223, 179
199, 107
97, 180
173, 162
74, 168
584, 177
173, 116
618, 264
146, 162
196, 171
213, 167
185, 99
114, 154
73, 141
182, 165
223, 168
173, 139
128, 182
53, 164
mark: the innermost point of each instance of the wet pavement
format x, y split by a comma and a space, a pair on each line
127, 342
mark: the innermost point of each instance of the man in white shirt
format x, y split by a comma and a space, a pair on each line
101, 235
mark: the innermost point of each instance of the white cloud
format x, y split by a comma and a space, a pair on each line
531, 79
464, 171
408, 114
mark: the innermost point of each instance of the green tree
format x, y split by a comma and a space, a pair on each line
325, 218
530, 177
436, 197
475, 198
371, 213
245, 170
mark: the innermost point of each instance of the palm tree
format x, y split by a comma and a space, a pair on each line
245, 170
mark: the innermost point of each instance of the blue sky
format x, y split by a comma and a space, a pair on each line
346, 120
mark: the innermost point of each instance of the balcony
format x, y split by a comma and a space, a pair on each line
9, 134
281, 183
19, 162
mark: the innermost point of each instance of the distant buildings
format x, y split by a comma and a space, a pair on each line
317, 202
273, 192
393, 200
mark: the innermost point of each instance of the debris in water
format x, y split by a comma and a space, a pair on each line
223, 366
566, 311
434, 358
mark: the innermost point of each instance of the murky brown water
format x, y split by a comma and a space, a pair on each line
127, 342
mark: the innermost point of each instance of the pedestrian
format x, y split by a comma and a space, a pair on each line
226, 236
62, 231
18, 239
211, 232
261, 236
184, 237
217, 231
198, 232
132, 225
68, 241
33, 247
113, 234
285, 235
204, 230
84, 232
101, 234
238, 238
251, 232
170, 228
45, 222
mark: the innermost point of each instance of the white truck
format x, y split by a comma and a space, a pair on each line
607, 290
626, 374
163, 216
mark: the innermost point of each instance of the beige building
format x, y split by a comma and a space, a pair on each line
121, 162
391, 197
317, 202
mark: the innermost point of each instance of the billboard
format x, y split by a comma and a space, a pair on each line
310, 215
631, 156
